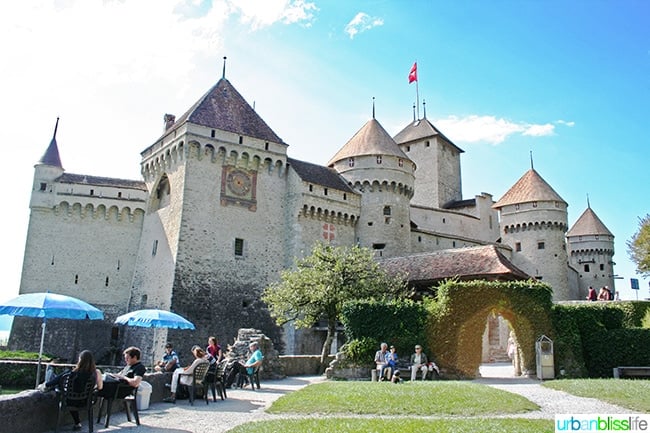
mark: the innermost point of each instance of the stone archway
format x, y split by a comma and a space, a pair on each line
459, 312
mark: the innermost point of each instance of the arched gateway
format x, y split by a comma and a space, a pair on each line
458, 317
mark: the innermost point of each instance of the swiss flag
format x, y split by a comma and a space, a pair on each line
413, 75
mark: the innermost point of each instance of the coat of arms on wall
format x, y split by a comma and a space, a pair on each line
239, 187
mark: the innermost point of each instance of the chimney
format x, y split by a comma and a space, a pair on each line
170, 119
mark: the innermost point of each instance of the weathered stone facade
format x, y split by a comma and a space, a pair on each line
222, 209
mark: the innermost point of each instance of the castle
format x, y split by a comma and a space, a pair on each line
221, 209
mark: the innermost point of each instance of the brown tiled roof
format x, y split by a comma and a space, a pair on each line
319, 175
421, 129
530, 187
371, 139
83, 179
588, 224
463, 263
223, 108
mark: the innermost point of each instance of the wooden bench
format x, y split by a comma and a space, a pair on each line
631, 372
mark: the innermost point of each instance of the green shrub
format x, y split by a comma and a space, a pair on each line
618, 347
361, 352
401, 323
645, 322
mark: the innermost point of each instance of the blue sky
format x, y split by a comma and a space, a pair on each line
569, 81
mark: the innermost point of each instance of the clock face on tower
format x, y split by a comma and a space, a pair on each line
238, 187
239, 182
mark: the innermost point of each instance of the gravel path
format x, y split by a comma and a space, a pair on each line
245, 405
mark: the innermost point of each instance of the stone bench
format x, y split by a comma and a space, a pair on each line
405, 374
631, 372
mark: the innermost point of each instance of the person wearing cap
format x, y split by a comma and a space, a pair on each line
169, 361
419, 362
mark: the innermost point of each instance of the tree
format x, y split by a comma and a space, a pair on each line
321, 283
639, 246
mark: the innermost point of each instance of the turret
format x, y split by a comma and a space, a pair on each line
533, 223
46, 170
437, 180
590, 246
375, 166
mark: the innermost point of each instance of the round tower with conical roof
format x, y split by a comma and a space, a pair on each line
375, 166
590, 246
534, 223
46, 171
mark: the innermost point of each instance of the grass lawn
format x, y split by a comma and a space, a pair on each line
388, 425
448, 398
631, 394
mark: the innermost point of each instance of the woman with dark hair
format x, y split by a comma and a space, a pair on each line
214, 349
82, 372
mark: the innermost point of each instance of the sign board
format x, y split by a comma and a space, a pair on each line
634, 282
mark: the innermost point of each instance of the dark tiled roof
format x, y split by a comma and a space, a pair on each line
223, 108
589, 224
455, 204
319, 175
371, 139
421, 129
51, 155
530, 187
83, 179
463, 263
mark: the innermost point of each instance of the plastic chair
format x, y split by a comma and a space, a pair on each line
198, 379
216, 380
125, 393
68, 397
254, 377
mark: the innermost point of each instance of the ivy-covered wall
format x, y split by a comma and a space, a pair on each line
594, 337
589, 338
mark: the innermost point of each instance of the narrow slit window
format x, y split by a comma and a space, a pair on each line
239, 247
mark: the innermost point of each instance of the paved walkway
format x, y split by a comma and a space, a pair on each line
245, 405
550, 401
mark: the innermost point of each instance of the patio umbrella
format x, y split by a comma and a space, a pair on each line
154, 319
49, 306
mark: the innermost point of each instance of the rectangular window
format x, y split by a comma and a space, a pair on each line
378, 159
350, 162
154, 249
400, 162
239, 247
92, 192
540, 245
518, 246
602, 267
586, 268
387, 210
325, 191
43, 186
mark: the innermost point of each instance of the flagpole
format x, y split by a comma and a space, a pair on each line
417, 98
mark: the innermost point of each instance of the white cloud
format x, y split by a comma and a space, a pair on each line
488, 129
262, 13
362, 22
570, 124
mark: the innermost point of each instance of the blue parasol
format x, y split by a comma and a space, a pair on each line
49, 306
154, 319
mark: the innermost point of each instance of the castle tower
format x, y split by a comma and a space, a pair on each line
375, 166
533, 223
81, 241
590, 248
215, 232
46, 170
437, 181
